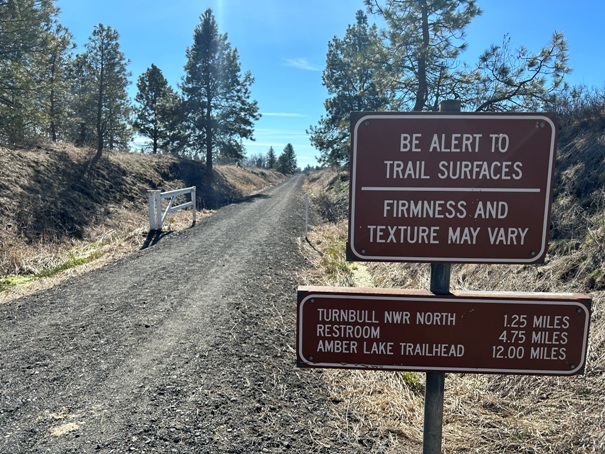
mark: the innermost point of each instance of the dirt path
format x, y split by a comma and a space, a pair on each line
187, 346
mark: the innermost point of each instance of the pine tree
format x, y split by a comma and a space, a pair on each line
56, 83
271, 159
104, 73
158, 105
286, 163
217, 96
414, 64
25, 26
81, 125
351, 77
425, 38
506, 79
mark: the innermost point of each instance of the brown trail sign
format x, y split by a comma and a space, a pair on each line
415, 330
449, 188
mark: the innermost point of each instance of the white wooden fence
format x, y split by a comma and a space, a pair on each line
156, 217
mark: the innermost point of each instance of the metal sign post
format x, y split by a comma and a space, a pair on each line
435, 382
434, 391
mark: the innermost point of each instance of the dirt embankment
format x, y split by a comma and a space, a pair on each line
53, 217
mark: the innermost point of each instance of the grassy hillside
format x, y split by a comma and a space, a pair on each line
489, 413
53, 217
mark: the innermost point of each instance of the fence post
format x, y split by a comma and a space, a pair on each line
152, 209
158, 210
156, 214
193, 203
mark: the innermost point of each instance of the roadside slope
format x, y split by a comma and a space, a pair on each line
53, 217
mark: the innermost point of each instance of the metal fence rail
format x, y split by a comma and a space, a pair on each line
156, 217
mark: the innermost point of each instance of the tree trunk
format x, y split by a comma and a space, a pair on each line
421, 93
99, 124
209, 130
209, 150
53, 126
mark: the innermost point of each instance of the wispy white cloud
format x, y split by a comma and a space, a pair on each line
282, 114
276, 138
301, 63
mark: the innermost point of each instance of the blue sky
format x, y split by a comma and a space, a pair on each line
283, 43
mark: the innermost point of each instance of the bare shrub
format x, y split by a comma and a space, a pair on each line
329, 193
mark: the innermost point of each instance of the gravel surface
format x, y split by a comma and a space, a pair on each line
185, 347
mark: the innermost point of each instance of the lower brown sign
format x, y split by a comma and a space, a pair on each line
415, 330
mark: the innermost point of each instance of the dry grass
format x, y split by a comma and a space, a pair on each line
328, 190
248, 180
326, 251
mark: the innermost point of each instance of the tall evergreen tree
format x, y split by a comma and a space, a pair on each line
81, 129
424, 40
286, 163
413, 64
158, 105
217, 96
271, 159
25, 26
352, 77
103, 68
55, 83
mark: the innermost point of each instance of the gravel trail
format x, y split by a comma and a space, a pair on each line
185, 347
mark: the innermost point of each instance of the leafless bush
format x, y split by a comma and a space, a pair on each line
329, 191
330, 208
578, 108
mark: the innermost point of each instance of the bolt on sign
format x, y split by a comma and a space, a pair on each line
415, 330
451, 188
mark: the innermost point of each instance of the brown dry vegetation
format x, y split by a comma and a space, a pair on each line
55, 221
487, 413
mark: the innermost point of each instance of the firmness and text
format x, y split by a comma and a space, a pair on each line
478, 187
